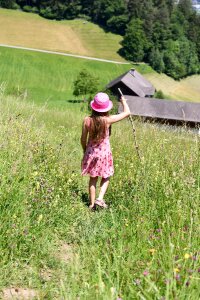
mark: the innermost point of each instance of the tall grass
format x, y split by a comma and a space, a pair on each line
49, 78
145, 246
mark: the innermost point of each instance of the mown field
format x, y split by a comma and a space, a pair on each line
145, 246
49, 78
77, 37
74, 36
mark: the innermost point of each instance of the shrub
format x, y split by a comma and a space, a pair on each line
47, 13
27, 8
35, 10
159, 94
85, 84
16, 6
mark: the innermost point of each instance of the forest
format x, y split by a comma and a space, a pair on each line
162, 33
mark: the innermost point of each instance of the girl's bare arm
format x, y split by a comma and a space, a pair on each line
84, 135
126, 112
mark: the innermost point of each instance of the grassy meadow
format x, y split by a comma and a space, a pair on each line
47, 78
74, 36
145, 246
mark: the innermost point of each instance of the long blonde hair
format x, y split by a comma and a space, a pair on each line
98, 125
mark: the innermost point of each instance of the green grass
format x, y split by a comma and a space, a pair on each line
145, 246
152, 224
49, 78
74, 36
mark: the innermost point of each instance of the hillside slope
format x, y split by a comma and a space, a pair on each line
145, 246
76, 36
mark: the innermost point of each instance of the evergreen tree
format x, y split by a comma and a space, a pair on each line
105, 9
170, 4
135, 42
185, 6
156, 60
193, 31
7, 3
135, 8
118, 24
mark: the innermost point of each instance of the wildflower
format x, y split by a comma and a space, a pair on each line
146, 272
152, 251
176, 270
152, 237
178, 277
198, 270
40, 218
113, 290
137, 281
167, 281
187, 255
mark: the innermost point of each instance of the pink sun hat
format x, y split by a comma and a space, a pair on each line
101, 103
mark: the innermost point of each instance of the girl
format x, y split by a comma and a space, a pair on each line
97, 160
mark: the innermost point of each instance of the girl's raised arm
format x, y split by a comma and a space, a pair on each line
126, 112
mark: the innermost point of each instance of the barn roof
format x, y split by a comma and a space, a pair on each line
135, 82
164, 109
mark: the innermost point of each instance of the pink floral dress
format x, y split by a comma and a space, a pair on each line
97, 160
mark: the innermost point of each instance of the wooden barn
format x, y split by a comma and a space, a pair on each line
139, 93
172, 112
132, 83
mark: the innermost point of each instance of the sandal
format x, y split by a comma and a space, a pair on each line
101, 203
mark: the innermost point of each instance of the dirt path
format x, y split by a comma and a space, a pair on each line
65, 54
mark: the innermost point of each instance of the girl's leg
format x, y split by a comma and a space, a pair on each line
103, 187
92, 190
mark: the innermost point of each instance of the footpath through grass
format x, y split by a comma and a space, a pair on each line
145, 246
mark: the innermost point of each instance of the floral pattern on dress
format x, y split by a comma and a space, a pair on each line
98, 160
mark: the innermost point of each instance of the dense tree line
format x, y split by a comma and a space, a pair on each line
163, 33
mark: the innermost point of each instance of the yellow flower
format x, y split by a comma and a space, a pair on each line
152, 251
40, 218
176, 270
187, 255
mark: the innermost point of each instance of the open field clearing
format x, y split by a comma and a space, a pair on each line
77, 37
187, 89
49, 78
82, 38
145, 246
